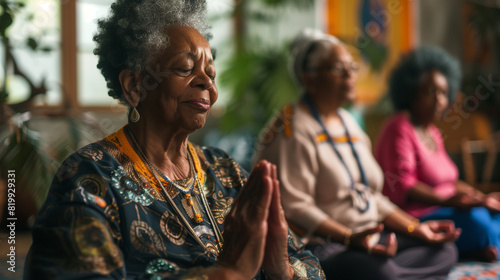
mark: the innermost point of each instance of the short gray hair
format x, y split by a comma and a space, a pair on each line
301, 48
134, 34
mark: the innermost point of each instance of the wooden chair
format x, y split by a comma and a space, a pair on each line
491, 149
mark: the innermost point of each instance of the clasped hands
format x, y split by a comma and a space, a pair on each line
255, 231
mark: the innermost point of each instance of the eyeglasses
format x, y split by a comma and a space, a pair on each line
337, 68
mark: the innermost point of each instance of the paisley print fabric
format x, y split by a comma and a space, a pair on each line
107, 217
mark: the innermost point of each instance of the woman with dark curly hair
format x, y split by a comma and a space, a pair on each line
144, 202
419, 175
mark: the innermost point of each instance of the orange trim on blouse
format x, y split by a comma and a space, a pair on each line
322, 137
121, 142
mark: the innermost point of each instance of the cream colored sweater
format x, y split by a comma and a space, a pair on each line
314, 183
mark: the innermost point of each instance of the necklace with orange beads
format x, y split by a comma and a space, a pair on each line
213, 249
186, 187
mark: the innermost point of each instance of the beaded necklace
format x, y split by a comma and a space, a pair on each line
154, 170
185, 190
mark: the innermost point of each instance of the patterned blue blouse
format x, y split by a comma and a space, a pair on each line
106, 217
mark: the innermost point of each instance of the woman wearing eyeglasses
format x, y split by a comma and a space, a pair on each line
331, 184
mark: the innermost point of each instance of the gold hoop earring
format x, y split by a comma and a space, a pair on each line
135, 116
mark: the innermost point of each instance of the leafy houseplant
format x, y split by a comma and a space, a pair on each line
259, 84
256, 77
21, 151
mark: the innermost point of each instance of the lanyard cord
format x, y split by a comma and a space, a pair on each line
316, 115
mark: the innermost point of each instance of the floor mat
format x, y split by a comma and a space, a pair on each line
475, 271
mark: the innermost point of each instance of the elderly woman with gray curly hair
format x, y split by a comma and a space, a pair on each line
144, 202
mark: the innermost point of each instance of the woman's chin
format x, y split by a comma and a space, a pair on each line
438, 116
192, 121
195, 124
350, 96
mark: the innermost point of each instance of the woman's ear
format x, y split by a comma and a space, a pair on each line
305, 77
131, 83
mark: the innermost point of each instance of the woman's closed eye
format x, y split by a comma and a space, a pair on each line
210, 72
184, 71
211, 76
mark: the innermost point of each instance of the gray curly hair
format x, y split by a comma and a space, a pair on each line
134, 34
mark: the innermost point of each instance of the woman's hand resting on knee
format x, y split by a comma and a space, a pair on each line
437, 231
362, 240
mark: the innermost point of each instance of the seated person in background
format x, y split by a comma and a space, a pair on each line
419, 175
144, 202
331, 184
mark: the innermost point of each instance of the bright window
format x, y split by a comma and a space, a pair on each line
71, 75
92, 90
40, 20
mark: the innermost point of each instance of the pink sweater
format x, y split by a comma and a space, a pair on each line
406, 160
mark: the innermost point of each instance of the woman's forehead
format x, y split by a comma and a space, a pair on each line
433, 77
338, 52
186, 41
328, 52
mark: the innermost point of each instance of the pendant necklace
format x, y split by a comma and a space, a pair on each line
193, 210
186, 191
360, 199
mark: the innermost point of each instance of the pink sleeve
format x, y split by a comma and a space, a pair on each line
395, 153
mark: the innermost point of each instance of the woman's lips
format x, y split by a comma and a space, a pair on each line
349, 85
198, 104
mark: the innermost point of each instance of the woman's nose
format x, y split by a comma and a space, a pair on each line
350, 70
442, 99
202, 80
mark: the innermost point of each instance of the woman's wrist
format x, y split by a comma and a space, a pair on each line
291, 274
412, 226
223, 272
347, 237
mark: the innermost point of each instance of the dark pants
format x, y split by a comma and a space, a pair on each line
414, 260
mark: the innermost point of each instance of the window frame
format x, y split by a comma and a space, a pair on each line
69, 68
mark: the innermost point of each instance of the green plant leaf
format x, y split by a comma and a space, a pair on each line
6, 20
259, 85
32, 43
3, 95
46, 49
299, 4
262, 17
34, 170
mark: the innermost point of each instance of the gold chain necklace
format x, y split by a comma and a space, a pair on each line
186, 191
218, 234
